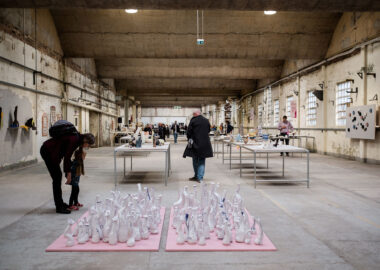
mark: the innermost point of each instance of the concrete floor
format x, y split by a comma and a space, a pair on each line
333, 225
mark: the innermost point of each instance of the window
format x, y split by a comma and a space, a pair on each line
260, 113
311, 114
269, 108
342, 99
289, 107
276, 112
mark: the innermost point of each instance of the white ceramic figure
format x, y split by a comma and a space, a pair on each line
181, 235
82, 233
68, 234
199, 213
112, 239
96, 233
253, 228
144, 227
122, 234
107, 226
259, 238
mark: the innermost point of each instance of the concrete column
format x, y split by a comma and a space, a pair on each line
363, 97
134, 113
298, 104
325, 109
138, 112
126, 111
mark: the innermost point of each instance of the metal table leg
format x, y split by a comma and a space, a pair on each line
240, 161
283, 164
267, 160
223, 152
254, 166
230, 156
170, 161
166, 168
115, 174
308, 176
131, 162
124, 167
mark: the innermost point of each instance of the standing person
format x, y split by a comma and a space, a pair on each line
230, 128
221, 128
175, 128
61, 147
77, 169
200, 148
285, 127
167, 131
161, 131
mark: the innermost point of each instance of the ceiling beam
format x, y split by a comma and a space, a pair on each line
188, 68
259, 5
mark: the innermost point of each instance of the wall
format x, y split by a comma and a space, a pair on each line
333, 140
83, 94
167, 114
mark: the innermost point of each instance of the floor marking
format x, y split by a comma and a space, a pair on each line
275, 202
368, 221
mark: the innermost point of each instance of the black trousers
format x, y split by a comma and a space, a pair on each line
56, 175
286, 141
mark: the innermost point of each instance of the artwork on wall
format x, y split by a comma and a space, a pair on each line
293, 109
361, 122
45, 125
52, 115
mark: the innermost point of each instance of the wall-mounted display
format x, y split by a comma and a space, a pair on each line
45, 125
361, 122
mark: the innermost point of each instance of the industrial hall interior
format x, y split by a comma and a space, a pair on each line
193, 134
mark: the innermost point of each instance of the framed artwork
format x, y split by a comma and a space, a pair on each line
361, 122
45, 125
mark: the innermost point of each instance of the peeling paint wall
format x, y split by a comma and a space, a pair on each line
84, 92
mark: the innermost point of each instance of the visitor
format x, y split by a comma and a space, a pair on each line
221, 128
161, 131
167, 131
285, 127
53, 151
229, 127
77, 169
199, 145
175, 128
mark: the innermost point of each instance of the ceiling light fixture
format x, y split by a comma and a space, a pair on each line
270, 12
131, 11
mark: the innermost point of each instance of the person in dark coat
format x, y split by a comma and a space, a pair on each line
230, 128
53, 151
161, 131
198, 131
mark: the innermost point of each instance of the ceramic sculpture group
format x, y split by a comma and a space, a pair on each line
196, 217
124, 219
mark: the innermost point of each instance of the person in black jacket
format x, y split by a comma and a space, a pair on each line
229, 127
161, 131
53, 151
198, 131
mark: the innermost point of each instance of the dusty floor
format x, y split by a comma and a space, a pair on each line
333, 225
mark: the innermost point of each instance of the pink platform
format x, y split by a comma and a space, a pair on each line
213, 244
151, 244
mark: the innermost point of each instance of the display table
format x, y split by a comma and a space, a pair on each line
229, 150
125, 150
257, 149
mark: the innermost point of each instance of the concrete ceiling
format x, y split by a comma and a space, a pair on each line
153, 54
258, 5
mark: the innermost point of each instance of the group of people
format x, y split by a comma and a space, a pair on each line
226, 128
72, 149
164, 131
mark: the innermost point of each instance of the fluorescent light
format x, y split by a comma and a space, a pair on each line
270, 12
131, 10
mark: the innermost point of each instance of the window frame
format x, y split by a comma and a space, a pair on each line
311, 117
342, 99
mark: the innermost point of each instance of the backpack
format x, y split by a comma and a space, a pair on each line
61, 128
